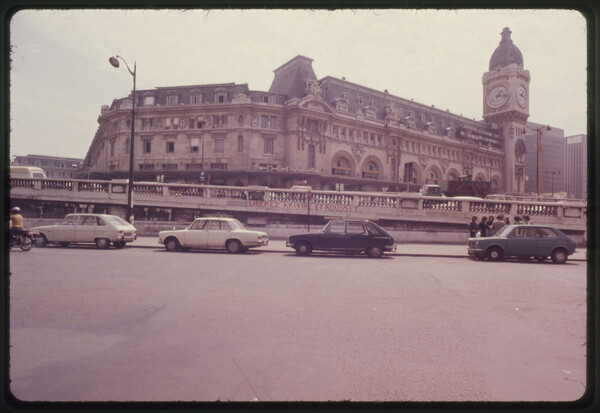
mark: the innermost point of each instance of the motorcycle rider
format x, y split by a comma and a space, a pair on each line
16, 223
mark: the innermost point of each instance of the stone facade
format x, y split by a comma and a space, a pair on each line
328, 133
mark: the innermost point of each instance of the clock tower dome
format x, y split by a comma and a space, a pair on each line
506, 106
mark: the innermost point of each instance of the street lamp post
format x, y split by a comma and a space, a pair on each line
538, 162
552, 186
114, 60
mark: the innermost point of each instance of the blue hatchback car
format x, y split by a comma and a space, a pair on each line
523, 241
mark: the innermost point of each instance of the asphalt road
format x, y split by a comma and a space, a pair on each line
142, 324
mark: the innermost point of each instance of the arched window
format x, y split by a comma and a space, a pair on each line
370, 170
341, 166
452, 176
432, 177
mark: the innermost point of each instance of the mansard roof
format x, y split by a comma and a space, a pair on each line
290, 78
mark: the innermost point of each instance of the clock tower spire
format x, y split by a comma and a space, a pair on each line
506, 105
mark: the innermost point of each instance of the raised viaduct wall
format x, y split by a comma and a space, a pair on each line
408, 216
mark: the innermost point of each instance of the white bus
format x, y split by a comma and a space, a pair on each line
27, 172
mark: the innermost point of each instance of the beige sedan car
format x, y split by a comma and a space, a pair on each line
213, 233
100, 229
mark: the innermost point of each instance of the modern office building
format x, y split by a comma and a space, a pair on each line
326, 132
576, 166
53, 166
544, 165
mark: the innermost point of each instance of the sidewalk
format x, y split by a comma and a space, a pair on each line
413, 249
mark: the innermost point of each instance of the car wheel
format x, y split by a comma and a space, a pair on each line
172, 245
119, 244
559, 256
102, 243
234, 246
64, 244
375, 252
494, 254
303, 248
41, 241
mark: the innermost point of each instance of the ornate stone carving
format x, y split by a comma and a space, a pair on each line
313, 88
391, 112
358, 151
444, 166
241, 98
423, 160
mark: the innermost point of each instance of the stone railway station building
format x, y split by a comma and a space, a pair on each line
328, 133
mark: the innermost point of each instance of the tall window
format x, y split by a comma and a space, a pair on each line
219, 145
311, 156
221, 97
240, 148
312, 125
269, 145
268, 122
194, 144
196, 98
172, 100
170, 146
147, 146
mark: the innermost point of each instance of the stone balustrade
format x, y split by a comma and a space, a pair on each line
565, 214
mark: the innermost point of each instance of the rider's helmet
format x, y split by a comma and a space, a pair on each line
15, 210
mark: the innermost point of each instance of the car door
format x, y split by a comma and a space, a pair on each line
334, 237
65, 231
196, 236
521, 241
356, 236
105, 229
218, 233
545, 241
85, 229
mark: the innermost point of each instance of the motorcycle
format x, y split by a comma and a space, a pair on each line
25, 240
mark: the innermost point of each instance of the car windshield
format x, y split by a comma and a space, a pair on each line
235, 224
69, 220
375, 229
116, 220
504, 231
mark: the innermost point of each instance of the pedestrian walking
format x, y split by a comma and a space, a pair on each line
498, 224
527, 220
473, 227
506, 221
518, 220
483, 227
489, 223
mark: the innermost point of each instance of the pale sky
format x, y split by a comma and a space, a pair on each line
60, 74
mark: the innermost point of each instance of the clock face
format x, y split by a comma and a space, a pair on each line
498, 96
522, 95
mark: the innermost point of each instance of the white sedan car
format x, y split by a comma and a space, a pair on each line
100, 229
213, 233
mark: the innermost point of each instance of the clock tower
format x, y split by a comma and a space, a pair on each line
506, 107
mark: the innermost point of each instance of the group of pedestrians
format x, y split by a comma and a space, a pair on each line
488, 226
